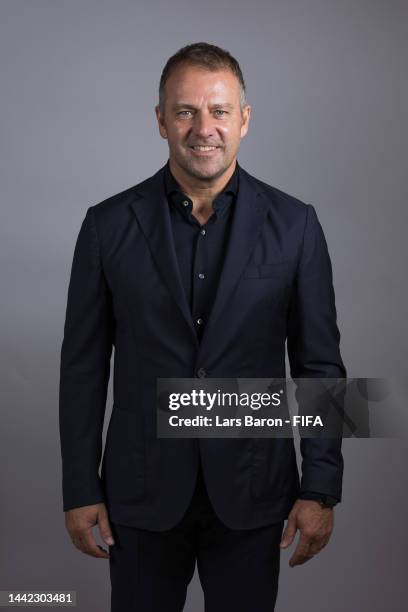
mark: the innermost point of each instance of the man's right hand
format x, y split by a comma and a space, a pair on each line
79, 523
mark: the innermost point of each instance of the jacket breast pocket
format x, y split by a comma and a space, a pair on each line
269, 283
267, 270
124, 458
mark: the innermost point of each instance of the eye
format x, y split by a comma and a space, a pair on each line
220, 112
183, 113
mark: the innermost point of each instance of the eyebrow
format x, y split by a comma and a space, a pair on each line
187, 105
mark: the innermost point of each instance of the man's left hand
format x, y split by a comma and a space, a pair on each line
315, 525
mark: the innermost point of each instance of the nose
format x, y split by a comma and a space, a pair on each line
203, 126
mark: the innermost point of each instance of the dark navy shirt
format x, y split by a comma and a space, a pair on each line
200, 248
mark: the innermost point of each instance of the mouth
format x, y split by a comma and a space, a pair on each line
204, 150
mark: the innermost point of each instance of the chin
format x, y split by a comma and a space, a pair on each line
205, 170
202, 173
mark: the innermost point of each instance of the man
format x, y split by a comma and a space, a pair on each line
201, 270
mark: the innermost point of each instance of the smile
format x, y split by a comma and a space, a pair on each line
204, 148
204, 151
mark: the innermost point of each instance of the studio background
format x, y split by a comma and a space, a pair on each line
327, 83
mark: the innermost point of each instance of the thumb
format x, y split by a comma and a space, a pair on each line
289, 532
104, 527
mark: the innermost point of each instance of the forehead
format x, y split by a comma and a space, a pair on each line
189, 83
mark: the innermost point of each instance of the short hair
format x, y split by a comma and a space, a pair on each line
209, 57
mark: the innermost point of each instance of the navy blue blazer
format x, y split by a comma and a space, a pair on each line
126, 292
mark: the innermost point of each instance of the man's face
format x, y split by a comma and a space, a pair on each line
202, 109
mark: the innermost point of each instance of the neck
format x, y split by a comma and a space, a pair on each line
202, 192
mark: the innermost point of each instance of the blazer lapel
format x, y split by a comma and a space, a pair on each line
249, 215
152, 212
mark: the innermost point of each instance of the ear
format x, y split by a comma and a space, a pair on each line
246, 113
160, 121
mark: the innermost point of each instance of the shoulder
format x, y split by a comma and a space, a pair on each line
277, 200
111, 217
119, 202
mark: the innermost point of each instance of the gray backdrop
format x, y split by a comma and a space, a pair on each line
328, 86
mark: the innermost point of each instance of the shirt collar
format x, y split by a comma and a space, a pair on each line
176, 196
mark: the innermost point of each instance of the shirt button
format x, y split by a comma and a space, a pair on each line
186, 202
201, 275
199, 321
202, 232
201, 373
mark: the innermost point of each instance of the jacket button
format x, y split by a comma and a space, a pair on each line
201, 373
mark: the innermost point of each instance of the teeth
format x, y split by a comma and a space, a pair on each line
199, 148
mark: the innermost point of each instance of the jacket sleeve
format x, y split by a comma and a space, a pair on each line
84, 371
313, 351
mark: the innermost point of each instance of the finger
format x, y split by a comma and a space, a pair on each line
302, 552
104, 528
87, 544
289, 532
300, 559
318, 543
309, 546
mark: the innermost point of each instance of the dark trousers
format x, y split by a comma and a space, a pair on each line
238, 569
